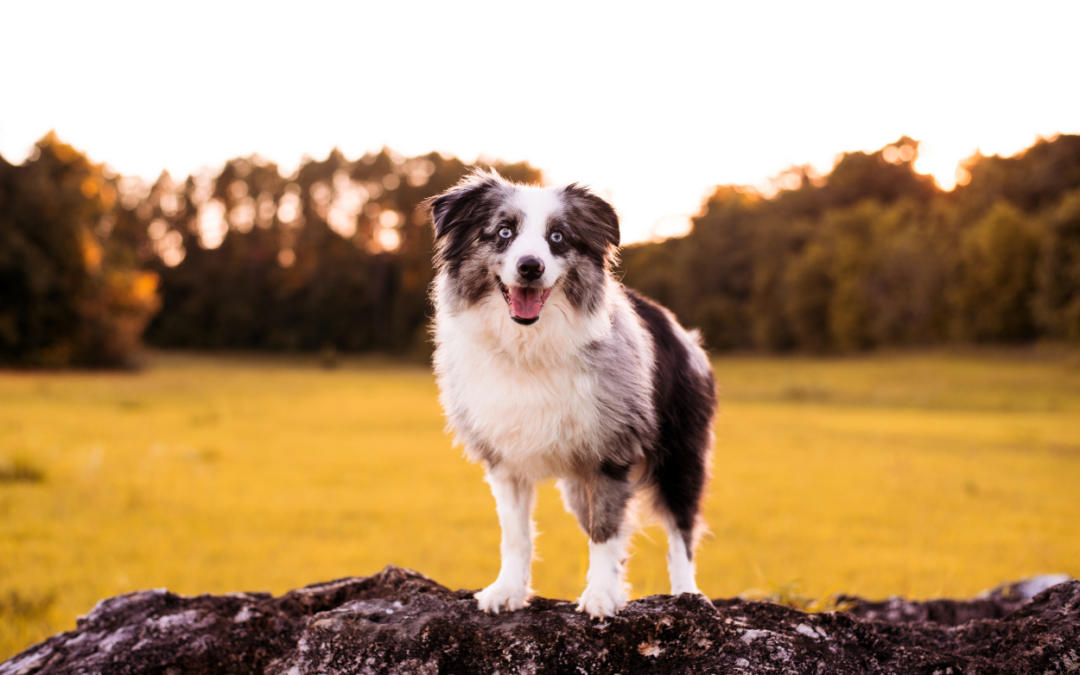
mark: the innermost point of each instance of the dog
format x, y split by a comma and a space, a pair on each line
548, 367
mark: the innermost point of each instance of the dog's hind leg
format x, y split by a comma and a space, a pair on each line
680, 559
609, 529
514, 501
677, 500
575, 496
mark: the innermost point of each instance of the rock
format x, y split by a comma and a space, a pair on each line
399, 621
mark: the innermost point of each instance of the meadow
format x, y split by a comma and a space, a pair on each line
915, 474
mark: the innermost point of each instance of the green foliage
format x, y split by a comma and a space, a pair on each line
1033, 180
996, 276
69, 293
336, 257
874, 255
1057, 303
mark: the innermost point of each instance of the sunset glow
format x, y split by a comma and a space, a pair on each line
651, 109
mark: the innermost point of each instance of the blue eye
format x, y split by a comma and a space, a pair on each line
505, 233
556, 237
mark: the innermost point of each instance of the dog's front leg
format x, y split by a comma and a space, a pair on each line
606, 591
514, 500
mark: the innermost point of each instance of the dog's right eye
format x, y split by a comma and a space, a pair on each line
505, 233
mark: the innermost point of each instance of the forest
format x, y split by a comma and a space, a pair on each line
336, 257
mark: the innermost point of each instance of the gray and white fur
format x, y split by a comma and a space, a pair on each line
549, 367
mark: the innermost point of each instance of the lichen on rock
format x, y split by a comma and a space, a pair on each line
399, 621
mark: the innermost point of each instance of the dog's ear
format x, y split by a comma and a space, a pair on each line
467, 205
597, 214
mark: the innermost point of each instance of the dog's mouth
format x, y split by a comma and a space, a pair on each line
524, 302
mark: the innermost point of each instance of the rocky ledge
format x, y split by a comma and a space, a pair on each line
399, 621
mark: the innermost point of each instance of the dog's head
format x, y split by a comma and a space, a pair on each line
524, 242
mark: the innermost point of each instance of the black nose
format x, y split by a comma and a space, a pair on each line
530, 268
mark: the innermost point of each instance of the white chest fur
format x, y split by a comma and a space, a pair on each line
525, 394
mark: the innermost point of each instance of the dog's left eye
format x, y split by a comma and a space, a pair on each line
556, 237
505, 233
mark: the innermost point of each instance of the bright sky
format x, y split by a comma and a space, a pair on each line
651, 104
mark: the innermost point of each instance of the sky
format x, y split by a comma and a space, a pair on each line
650, 104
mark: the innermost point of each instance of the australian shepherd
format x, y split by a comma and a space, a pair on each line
549, 367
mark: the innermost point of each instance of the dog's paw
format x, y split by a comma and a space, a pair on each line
499, 597
679, 589
602, 601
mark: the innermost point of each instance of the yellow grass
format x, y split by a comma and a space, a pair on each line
921, 475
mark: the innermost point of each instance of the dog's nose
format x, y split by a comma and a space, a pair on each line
530, 268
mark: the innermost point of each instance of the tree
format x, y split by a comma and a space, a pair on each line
874, 254
1057, 300
70, 293
337, 257
996, 277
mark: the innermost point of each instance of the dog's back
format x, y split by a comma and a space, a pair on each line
684, 397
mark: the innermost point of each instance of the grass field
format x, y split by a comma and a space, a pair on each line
921, 475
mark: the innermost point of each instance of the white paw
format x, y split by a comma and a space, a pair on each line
602, 601
502, 596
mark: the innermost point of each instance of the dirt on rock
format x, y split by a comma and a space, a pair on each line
399, 621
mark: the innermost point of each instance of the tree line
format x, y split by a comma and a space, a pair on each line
336, 256
873, 254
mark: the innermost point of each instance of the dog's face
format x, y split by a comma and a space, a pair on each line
524, 243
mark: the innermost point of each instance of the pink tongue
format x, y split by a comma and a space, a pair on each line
526, 302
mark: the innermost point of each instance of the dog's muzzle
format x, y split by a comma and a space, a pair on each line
524, 302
